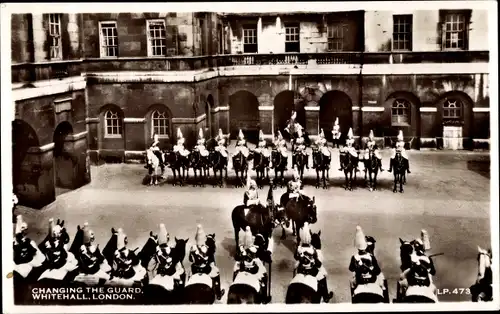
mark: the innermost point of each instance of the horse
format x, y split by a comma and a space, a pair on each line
482, 290
372, 165
399, 165
176, 162
349, 164
299, 210
261, 166
240, 166
322, 164
199, 163
301, 161
279, 165
218, 163
64, 237
154, 169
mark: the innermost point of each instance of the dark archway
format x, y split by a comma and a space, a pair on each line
65, 163
284, 103
244, 115
332, 105
209, 104
23, 138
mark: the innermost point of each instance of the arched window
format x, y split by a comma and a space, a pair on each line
452, 109
400, 112
113, 124
160, 124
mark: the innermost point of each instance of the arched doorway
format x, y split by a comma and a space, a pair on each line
209, 104
284, 103
64, 159
244, 115
25, 167
335, 104
455, 120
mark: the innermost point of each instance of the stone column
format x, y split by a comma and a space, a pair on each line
39, 38
74, 34
260, 42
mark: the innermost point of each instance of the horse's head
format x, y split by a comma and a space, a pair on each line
405, 252
262, 252
211, 241
312, 210
59, 232
370, 244
180, 248
316, 240
484, 263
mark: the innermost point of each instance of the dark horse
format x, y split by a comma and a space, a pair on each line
322, 164
218, 164
240, 166
299, 210
279, 165
301, 161
482, 290
199, 163
372, 165
261, 166
260, 219
349, 164
399, 166
177, 162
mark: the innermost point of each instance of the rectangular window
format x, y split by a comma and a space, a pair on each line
250, 39
292, 38
108, 39
336, 33
157, 39
55, 36
454, 29
402, 32
400, 113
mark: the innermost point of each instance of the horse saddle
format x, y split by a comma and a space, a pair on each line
248, 279
167, 282
307, 280
421, 291
325, 151
372, 288
56, 274
198, 278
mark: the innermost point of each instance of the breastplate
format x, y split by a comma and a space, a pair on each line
23, 252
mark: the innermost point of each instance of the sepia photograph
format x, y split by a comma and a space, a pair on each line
173, 155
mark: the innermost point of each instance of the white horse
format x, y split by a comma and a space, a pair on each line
154, 168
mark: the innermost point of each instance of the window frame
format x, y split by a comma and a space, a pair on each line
102, 47
150, 45
245, 29
463, 31
53, 36
454, 108
407, 23
115, 116
403, 112
166, 127
292, 45
332, 35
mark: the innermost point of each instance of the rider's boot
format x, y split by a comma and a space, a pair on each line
218, 291
380, 165
390, 165
323, 290
408, 166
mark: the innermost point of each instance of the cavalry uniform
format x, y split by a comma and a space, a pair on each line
280, 144
248, 262
241, 145
179, 148
300, 147
200, 145
295, 186
411, 278
26, 253
309, 262
400, 148
93, 265
165, 261
126, 264
321, 143
156, 150
261, 146
371, 145
201, 261
349, 149
292, 126
364, 265
251, 196
336, 132
221, 144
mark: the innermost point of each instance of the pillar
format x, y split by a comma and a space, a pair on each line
39, 38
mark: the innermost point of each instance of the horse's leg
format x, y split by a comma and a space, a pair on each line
237, 237
324, 179
370, 182
395, 181
293, 227
346, 186
317, 177
375, 179
283, 235
401, 184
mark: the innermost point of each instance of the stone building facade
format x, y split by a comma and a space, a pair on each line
96, 87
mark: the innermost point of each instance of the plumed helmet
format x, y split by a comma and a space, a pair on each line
296, 174
248, 238
280, 136
400, 135
221, 135
322, 133
360, 239
200, 134
200, 236
425, 240
299, 132
294, 115
261, 135
371, 136
337, 121
21, 225
162, 235
55, 230
350, 135
121, 239
305, 234
87, 235
240, 135
179, 134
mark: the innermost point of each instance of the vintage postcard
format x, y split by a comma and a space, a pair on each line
314, 156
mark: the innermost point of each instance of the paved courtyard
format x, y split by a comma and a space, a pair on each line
447, 194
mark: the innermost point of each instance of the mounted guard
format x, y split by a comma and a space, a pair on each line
27, 256
295, 186
126, 267
201, 263
200, 144
262, 146
179, 148
300, 148
400, 148
371, 146
336, 133
309, 263
241, 144
321, 143
157, 151
280, 144
251, 196
221, 144
292, 126
349, 149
